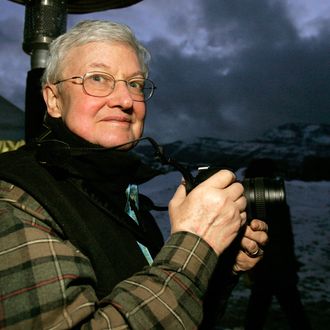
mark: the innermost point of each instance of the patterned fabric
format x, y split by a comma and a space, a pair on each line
46, 283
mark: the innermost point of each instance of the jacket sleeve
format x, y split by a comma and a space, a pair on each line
47, 283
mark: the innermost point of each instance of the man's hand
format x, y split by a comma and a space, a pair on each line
255, 237
214, 210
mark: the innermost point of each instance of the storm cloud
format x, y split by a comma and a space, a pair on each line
226, 69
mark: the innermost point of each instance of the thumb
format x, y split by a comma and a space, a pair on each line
179, 196
220, 179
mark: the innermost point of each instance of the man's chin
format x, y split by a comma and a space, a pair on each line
120, 144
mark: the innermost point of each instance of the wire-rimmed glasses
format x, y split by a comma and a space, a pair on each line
100, 84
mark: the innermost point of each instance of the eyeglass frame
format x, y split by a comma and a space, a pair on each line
153, 86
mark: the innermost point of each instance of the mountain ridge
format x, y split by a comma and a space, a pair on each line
300, 151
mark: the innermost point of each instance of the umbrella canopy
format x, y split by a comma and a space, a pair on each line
88, 6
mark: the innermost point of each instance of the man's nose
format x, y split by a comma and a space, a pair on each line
121, 94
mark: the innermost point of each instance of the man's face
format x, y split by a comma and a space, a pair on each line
107, 121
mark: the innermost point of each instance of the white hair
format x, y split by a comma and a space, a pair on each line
90, 31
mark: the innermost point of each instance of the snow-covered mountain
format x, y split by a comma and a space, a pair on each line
300, 151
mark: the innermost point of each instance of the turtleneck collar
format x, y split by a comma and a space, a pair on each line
62, 149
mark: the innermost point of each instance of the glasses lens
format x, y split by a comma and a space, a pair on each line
148, 89
98, 84
103, 84
141, 89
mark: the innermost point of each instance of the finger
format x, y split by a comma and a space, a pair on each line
243, 218
235, 191
244, 262
221, 179
260, 237
259, 225
251, 248
249, 245
241, 203
255, 254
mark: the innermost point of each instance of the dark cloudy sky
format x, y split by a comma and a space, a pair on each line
224, 68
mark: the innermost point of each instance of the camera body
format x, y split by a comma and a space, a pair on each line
263, 194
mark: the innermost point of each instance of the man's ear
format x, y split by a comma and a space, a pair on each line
52, 101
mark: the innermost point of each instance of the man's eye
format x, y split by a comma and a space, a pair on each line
137, 84
98, 78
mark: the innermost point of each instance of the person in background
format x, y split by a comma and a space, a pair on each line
78, 246
275, 275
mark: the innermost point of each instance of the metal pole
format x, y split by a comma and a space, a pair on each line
44, 21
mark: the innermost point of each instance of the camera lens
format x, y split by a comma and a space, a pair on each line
263, 194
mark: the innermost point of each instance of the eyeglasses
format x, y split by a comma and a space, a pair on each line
102, 84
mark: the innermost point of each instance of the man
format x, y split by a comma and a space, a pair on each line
77, 247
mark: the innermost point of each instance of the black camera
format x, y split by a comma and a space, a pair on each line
264, 195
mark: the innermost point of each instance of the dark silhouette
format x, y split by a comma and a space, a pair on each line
276, 275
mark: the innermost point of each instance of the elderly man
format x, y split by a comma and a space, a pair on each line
77, 247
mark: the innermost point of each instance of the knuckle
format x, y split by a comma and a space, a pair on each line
229, 175
251, 245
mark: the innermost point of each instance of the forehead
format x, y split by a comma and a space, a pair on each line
103, 56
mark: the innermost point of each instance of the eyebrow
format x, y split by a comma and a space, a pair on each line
108, 68
99, 65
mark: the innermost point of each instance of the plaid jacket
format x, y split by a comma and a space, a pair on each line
47, 283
